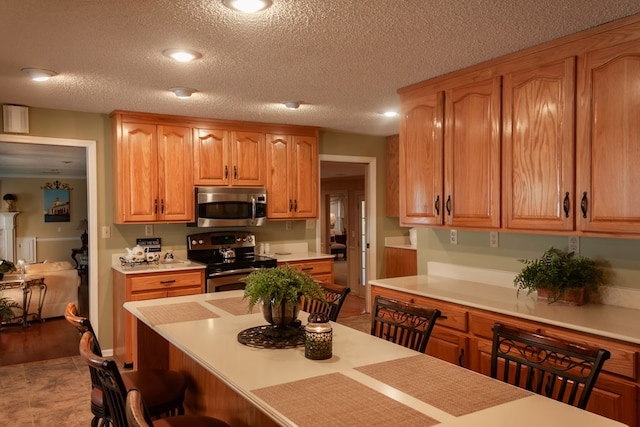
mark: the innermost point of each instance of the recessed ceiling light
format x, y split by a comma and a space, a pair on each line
182, 55
292, 105
38, 75
247, 6
183, 92
390, 114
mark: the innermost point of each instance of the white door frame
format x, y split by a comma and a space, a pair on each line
92, 206
370, 196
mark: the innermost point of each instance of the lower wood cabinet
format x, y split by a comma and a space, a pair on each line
320, 269
144, 286
464, 337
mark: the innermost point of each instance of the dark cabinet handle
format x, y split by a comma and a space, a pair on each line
449, 205
583, 205
226, 171
167, 282
162, 206
155, 206
460, 358
295, 205
437, 205
565, 204
235, 172
290, 205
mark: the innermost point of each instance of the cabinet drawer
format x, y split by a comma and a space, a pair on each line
149, 282
313, 267
482, 324
623, 359
456, 316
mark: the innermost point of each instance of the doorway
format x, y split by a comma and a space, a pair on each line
361, 255
92, 205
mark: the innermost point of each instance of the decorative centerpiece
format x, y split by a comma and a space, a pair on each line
278, 291
561, 276
10, 200
6, 266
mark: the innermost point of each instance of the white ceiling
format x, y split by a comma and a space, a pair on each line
344, 59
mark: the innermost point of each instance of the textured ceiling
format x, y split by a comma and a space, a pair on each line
344, 59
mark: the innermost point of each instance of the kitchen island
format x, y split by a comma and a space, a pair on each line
368, 381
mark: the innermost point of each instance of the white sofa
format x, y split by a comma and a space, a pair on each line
62, 282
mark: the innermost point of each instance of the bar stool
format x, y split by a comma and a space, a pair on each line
162, 390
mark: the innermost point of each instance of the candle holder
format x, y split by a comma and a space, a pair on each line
318, 337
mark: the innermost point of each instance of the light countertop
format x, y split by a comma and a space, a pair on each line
212, 343
161, 267
604, 320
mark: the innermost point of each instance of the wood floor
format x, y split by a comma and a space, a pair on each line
51, 339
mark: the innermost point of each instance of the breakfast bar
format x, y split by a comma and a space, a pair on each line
367, 381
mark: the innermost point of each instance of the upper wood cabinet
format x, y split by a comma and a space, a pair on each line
292, 176
472, 155
538, 148
153, 166
420, 162
392, 202
608, 131
228, 158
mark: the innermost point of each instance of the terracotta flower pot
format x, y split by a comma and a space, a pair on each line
575, 296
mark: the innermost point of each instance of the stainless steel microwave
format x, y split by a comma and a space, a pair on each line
230, 207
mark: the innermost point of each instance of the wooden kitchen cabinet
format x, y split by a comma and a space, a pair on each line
400, 262
154, 178
228, 158
392, 174
420, 159
538, 147
472, 155
465, 338
608, 132
292, 176
144, 286
320, 269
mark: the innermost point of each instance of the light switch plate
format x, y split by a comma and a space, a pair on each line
574, 244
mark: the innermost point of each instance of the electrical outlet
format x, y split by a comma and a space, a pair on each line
574, 244
288, 225
453, 237
106, 232
493, 239
311, 224
148, 230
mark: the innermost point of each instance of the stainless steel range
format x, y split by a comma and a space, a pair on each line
229, 256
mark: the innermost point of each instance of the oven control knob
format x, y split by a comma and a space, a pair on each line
200, 242
250, 238
194, 242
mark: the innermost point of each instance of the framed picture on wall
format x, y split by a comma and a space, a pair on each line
57, 206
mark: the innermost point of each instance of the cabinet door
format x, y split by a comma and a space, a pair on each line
608, 138
211, 157
175, 174
247, 158
448, 346
279, 176
421, 159
305, 181
137, 173
392, 201
538, 147
472, 155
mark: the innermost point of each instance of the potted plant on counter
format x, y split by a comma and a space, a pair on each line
278, 291
561, 276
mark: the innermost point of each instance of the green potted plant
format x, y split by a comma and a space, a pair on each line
6, 266
6, 308
278, 291
561, 276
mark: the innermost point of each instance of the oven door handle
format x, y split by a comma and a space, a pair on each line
232, 272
